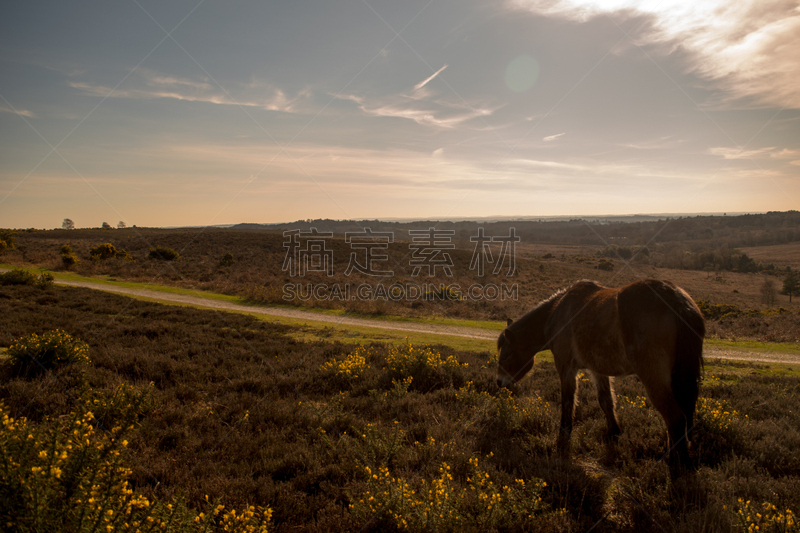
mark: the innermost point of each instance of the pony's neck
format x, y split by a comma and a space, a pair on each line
532, 325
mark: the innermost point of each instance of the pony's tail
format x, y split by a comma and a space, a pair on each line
688, 362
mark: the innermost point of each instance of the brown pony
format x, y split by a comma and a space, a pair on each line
649, 328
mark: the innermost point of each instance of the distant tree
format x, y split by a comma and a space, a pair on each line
769, 292
106, 225
121, 225
68, 224
791, 285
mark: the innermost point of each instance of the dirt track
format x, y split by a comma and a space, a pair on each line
457, 331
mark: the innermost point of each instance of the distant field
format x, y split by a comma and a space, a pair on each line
782, 255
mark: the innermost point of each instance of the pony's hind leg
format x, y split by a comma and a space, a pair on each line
605, 395
664, 400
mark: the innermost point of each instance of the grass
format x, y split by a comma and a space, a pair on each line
757, 347
109, 281
323, 433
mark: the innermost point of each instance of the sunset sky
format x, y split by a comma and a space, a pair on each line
206, 112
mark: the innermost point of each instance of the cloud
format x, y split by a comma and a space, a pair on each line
22, 112
553, 137
737, 153
150, 85
748, 48
439, 113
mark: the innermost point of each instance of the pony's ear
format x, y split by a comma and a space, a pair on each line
507, 335
509, 321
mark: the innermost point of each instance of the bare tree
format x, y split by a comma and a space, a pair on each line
121, 225
769, 292
68, 224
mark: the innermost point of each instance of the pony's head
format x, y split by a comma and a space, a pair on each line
514, 359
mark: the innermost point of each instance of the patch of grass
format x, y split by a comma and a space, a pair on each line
751, 346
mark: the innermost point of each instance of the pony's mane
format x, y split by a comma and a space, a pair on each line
521, 321
553, 298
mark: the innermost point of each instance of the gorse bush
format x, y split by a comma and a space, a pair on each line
162, 253
352, 366
428, 368
68, 257
101, 252
19, 276
38, 353
765, 518
445, 503
66, 475
7, 241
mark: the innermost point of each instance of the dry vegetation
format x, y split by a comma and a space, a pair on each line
335, 437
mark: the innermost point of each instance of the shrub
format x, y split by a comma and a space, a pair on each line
425, 365
766, 517
19, 276
68, 258
351, 367
606, 265
107, 250
66, 475
7, 239
227, 260
444, 504
162, 253
37, 353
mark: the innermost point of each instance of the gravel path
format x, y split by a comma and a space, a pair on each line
436, 329
200, 301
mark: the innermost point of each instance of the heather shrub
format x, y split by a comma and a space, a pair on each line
162, 253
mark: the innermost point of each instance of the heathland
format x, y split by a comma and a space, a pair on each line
166, 413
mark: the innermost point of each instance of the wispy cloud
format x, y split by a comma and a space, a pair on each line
737, 153
151, 85
748, 48
553, 137
23, 112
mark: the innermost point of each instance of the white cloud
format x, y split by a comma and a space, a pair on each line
749, 48
553, 137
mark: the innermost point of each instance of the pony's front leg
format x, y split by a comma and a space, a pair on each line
569, 388
605, 395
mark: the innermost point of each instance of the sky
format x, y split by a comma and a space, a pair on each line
201, 112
